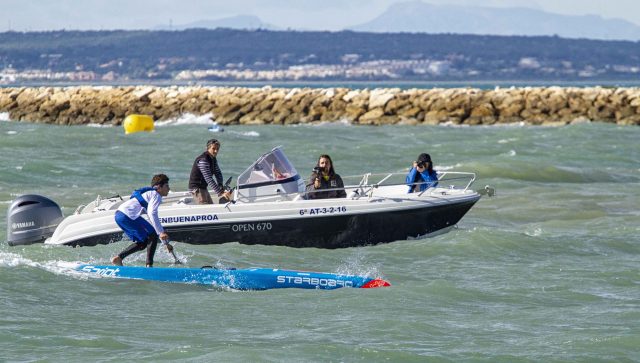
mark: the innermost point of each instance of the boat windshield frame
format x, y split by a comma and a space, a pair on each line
273, 166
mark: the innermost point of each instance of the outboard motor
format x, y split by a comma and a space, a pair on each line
31, 219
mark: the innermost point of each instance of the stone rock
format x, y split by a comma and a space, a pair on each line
408, 121
387, 120
512, 110
280, 116
337, 105
221, 111
352, 112
230, 118
143, 94
371, 116
380, 97
292, 119
634, 100
350, 95
303, 104
361, 100
395, 104
409, 111
632, 120
554, 123
265, 104
483, 110
435, 117
624, 112
316, 112
580, 120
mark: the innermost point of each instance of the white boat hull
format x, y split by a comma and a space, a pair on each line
328, 223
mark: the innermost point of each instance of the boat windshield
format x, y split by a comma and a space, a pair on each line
272, 166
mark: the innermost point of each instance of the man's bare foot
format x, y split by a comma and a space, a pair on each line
116, 260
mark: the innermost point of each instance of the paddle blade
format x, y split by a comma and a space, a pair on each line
175, 258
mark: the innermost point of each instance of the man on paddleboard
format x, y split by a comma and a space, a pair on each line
142, 233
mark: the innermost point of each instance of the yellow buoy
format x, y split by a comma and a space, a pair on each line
137, 123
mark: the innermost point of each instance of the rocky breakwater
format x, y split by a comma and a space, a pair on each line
241, 105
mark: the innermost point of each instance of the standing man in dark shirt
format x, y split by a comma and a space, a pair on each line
204, 168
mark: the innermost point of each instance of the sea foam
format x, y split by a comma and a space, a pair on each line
187, 119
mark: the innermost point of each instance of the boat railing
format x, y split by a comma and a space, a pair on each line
363, 186
367, 184
100, 204
455, 176
452, 179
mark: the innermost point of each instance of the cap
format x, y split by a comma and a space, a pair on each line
423, 158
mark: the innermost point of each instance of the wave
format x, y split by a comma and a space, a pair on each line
340, 122
187, 119
100, 125
4, 116
357, 264
8, 259
550, 174
245, 133
455, 167
60, 267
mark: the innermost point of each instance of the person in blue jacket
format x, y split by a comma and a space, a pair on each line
422, 172
143, 234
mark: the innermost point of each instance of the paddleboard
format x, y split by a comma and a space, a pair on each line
239, 279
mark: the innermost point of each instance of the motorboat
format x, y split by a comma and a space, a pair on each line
270, 207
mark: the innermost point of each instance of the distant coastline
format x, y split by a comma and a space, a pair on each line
228, 56
109, 105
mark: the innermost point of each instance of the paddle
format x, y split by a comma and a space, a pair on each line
176, 261
175, 258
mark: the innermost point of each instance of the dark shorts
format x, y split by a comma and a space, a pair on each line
137, 229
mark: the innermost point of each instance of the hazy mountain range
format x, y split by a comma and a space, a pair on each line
417, 16
420, 17
248, 22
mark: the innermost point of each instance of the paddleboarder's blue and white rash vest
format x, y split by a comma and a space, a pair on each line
135, 206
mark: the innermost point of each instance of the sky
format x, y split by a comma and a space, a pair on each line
37, 15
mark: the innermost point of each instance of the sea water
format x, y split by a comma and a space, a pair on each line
546, 270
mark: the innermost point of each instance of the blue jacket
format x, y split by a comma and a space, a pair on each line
416, 177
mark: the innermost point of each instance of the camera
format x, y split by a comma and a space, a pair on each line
317, 170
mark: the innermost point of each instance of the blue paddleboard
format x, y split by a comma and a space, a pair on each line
245, 279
